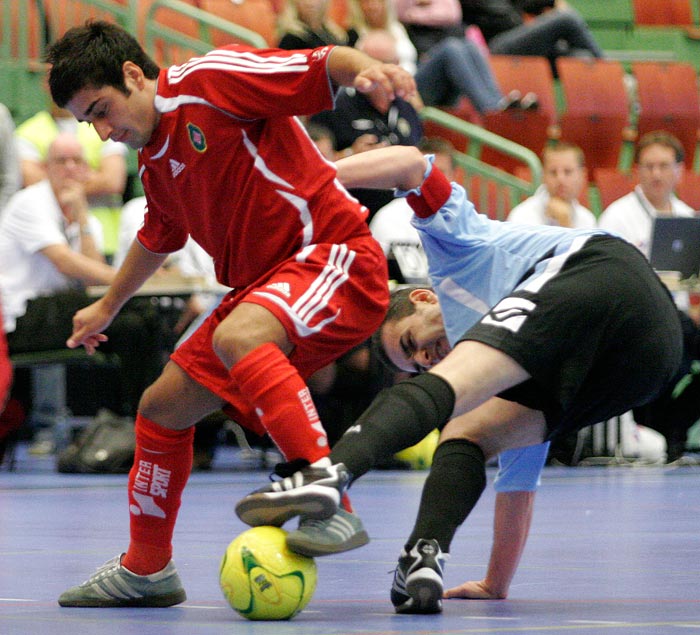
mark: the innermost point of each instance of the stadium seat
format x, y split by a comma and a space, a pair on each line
612, 184
669, 100
462, 110
663, 12
61, 15
33, 26
531, 129
255, 15
597, 113
163, 51
689, 189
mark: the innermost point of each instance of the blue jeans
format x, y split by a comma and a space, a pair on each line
453, 68
556, 32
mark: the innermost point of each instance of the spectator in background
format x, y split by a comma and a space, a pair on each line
50, 250
323, 138
372, 15
106, 161
555, 202
9, 164
547, 28
359, 122
429, 23
305, 24
659, 160
450, 66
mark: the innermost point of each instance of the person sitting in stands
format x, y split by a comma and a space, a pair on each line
556, 201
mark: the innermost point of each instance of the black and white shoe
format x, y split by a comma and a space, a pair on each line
313, 492
417, 586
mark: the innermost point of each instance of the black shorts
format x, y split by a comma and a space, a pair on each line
599, 334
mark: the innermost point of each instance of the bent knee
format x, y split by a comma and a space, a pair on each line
155, 405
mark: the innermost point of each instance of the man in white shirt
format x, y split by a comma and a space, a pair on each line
660, 167
48, 238
50, 250
555, 202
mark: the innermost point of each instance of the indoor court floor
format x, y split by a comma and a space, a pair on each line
612, 550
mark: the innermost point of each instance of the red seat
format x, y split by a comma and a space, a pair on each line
689, 189
597, 115
669, 100
254, 15
613, 184
663, 12
463, 110
531, 129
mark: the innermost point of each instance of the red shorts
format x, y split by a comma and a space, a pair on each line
329, 298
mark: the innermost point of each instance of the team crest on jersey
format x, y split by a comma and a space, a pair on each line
197, 138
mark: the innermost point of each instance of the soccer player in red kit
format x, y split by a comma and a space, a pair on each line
223, 159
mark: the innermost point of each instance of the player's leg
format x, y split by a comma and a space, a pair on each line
459, 466
254, 344
398, 418
145, 575
328, 302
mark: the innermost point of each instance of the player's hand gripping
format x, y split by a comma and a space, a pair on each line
88, 326
385, 82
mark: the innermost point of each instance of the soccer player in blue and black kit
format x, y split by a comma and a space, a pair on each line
543, 331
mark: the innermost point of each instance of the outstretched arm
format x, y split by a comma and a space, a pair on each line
383, 169
89, 323
512, 521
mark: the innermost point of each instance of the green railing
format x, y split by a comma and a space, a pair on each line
493, 191
27, 25
169, 46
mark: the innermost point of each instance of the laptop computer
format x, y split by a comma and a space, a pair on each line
675, 245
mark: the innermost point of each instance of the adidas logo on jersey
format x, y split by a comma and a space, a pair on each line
176, 167
280, 287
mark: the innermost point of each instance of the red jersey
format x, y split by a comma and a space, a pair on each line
230, 165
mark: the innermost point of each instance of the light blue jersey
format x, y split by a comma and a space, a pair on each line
473, 263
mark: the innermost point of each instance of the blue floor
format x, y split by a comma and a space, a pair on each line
612, 550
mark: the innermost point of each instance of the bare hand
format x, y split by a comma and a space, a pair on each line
73, 201
472, 591
385, 82
366, 142
88, 324
560, 211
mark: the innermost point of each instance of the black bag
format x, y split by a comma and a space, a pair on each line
106, 446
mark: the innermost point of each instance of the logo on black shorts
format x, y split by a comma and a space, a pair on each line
509, 313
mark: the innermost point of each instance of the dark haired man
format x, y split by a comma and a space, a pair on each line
544, 330
224, 160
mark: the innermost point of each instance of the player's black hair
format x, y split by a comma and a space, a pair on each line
400, 306
93, 55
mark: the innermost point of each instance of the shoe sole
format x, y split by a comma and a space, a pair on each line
425, 590
156, 601
299, 543
276, 508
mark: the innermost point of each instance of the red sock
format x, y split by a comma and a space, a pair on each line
161, 468
283, 403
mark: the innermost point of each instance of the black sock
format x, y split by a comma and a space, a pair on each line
456, 480
397, 419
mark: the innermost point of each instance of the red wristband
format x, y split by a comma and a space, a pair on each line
435, 191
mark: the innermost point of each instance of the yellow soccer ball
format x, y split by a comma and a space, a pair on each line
262, 579
420, 456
